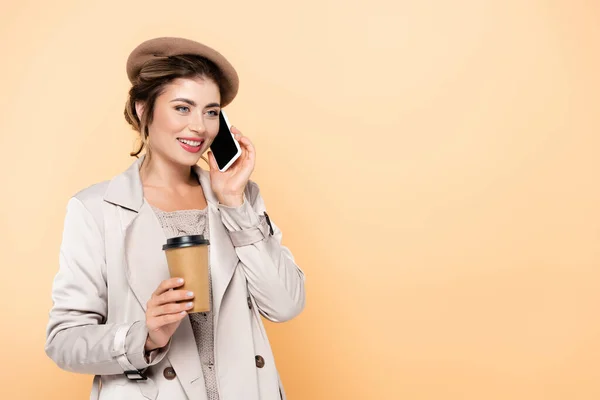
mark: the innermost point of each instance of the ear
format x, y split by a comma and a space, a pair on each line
139, 109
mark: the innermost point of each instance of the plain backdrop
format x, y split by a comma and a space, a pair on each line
433, 166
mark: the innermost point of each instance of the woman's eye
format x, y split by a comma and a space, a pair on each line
213, 113
182, 109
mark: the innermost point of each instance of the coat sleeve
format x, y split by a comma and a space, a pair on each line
77, 337
274, 280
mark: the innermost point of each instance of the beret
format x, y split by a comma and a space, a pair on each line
174, 46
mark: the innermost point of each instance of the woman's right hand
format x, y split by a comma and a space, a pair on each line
164, 314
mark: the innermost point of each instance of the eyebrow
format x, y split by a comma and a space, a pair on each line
193, 103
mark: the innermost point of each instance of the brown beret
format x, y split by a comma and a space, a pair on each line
173, 46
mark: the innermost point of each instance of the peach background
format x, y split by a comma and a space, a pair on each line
433, 165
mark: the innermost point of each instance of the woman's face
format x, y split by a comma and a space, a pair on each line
186, 120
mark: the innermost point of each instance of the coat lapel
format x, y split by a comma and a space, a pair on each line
144, 258
223, 258
146, 264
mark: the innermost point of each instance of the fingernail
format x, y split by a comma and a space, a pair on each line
188, 305
180, 280
183, 313
190, 294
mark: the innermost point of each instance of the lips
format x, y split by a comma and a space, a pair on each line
191, 142
192, 145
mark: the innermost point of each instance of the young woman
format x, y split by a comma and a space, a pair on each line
116, 312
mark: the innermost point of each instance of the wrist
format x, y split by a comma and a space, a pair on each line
150, 345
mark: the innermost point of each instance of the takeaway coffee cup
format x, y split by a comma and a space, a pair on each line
187, 257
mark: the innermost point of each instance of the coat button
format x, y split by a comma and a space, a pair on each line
249, 303
260, 361
169, 373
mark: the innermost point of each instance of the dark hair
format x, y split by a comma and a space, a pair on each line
151, 81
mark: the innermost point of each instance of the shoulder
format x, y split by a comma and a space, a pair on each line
92, 196
91, 199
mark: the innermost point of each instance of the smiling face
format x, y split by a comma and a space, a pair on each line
185, 120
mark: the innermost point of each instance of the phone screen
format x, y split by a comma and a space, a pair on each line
223, 146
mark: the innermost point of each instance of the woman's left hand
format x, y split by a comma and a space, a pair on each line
229, 185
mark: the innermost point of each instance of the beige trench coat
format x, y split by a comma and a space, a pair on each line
111, 261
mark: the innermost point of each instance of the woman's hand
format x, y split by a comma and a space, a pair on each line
229, 185
164, 314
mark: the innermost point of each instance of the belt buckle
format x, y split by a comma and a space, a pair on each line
135, 375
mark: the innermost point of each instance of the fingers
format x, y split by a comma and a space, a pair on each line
237, 134
171, 296
167, 304
167, 284
170, 308
166, 293
212, 162
249, 147
158, 322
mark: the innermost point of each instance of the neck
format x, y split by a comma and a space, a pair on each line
158, 172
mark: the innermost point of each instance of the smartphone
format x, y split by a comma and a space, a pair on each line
224, 147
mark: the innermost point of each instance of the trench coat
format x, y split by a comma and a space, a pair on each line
111, 261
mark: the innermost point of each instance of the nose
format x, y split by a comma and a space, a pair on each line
197, 124
197, 128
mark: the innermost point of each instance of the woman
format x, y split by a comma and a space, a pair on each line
117, 314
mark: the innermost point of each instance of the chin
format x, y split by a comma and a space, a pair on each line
183, 158
189, 161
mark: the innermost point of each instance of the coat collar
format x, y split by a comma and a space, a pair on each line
126, 189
